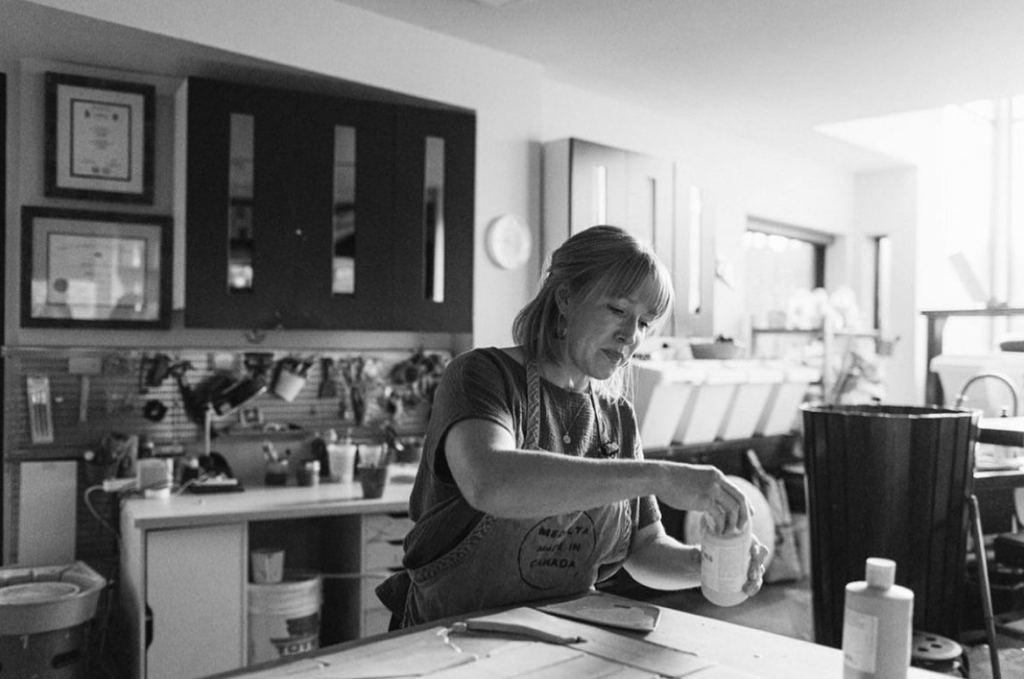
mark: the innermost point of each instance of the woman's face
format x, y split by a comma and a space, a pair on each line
603, 332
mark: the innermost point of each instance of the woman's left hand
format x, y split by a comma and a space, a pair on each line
755, 574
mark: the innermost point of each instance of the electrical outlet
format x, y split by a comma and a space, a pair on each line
117, 485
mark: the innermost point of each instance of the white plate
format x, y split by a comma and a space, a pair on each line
764, 524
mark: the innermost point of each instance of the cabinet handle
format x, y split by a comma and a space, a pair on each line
149, 627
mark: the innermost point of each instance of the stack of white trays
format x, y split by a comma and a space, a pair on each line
782, 415
663, 391
751, 400
703, 419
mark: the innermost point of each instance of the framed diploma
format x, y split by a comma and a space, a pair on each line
99, 139
95, 269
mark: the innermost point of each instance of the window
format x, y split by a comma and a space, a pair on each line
779, 260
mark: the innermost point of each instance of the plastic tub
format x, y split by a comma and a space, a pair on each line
663, 390
750, 402
284, 617
703, 419
782, 414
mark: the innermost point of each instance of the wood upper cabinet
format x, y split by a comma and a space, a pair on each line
305, 211
586, 184
433, 244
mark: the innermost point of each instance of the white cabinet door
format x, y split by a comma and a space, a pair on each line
196, 591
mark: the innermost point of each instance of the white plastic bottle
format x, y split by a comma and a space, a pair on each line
877, 624
724, 562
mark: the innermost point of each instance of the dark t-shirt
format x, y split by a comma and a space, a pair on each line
489, 384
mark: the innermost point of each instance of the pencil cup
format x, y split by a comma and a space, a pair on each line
373, 480
370, 455
276, 473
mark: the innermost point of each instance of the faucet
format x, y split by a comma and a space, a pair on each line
1002, 377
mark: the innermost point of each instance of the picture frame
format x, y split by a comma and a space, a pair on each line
99, 139
89, 269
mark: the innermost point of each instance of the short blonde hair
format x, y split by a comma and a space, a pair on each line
601, 260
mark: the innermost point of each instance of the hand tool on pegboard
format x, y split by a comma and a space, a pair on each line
328, 388
84, 367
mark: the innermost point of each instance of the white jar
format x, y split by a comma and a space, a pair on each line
724, 563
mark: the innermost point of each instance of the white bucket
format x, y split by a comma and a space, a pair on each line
284, 617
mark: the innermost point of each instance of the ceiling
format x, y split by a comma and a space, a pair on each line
768, 70
771, 70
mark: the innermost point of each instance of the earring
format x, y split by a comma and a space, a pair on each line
561, 326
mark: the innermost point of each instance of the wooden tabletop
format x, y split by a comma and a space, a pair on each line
681, 645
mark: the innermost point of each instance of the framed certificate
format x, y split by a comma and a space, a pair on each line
95, 269
99, 139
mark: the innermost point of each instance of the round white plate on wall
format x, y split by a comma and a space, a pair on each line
508, 242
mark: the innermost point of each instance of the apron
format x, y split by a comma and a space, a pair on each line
507, 561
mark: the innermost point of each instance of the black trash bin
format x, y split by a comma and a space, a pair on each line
892, 482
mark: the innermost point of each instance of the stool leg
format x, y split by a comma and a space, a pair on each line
986, 593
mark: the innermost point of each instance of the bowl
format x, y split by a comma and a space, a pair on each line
716, 350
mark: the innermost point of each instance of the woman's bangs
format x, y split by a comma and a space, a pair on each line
641, 277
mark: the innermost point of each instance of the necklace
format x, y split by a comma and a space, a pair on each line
566, 439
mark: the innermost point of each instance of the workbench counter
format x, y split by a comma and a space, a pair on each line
185, 567
269, 502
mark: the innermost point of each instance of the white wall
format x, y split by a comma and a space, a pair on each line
741, 178
518, 108
888, 206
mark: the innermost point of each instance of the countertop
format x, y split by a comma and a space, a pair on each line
1002, 431
263, 503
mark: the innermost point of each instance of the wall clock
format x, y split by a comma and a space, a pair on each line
508, 242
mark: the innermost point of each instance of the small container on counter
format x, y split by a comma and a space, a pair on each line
276, 473
373, 480
308, 473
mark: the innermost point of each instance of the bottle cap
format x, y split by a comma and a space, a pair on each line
880, 573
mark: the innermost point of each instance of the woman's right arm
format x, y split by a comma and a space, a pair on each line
501, 480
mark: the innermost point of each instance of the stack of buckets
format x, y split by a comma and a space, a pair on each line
284, 616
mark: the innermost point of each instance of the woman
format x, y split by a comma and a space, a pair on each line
533, 483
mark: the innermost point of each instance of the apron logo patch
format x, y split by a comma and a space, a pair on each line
555, 548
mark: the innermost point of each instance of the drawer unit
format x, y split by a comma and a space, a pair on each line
382, 551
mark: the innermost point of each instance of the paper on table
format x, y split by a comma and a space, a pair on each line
299, 669
521, 659
605, 610
723, 672
624, 650
408, 655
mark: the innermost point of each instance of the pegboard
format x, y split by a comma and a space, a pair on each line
117, 395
